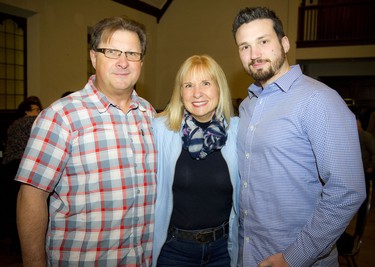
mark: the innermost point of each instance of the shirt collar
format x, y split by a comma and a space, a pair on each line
283, 83
102, 103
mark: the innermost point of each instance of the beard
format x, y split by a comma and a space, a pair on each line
264, 74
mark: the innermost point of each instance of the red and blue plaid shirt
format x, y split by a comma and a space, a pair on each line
99, 165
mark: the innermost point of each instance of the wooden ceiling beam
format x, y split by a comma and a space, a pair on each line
146, 8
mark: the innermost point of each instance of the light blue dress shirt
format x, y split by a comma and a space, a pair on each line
301, 171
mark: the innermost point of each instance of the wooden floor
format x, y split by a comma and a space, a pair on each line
365, 258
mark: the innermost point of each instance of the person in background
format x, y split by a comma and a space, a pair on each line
371, 124
92, 155
196, 221
18, 134
367, 142
66, 93
19, 131
299, 156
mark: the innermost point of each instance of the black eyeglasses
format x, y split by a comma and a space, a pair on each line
115, 54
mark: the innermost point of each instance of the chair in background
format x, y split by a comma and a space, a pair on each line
349, 245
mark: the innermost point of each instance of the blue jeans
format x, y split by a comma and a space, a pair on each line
183, 253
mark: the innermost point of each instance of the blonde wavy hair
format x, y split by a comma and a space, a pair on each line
192, 67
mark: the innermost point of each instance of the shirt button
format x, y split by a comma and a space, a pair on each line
252, 128
245, 212
247, 155
138, 191
247, 239
245, 184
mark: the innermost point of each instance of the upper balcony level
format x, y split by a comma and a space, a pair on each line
323, 23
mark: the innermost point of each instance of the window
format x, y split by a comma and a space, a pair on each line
12, 61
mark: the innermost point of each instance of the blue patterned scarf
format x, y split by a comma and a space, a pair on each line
201, 142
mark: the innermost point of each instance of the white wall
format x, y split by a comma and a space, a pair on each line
57, 42
196, 27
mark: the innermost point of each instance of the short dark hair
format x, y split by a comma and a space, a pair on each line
26, 105
249, 14
105, 28
66, 93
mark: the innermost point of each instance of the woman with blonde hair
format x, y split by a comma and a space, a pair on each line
197, 180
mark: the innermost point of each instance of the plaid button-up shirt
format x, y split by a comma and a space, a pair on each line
99, 165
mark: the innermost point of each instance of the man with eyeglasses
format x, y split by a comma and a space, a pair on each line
92, 155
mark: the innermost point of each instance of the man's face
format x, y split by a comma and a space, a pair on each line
116, 76
261, 53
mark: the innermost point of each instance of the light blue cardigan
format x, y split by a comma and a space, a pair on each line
169, 145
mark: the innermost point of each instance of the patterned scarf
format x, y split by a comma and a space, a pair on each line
201, 142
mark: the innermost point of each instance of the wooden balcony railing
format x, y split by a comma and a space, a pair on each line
336, 23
